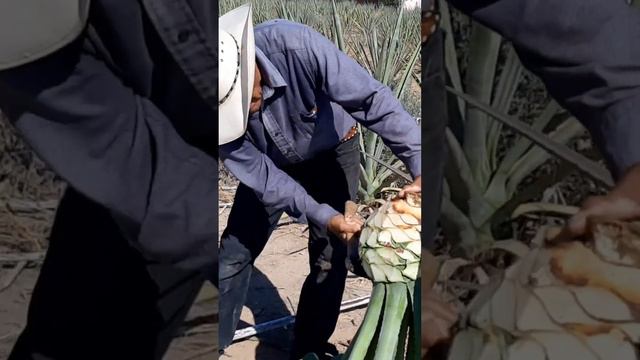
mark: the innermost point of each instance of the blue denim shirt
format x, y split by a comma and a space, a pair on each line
312, 95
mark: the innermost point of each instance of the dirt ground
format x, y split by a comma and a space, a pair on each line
275, 287
281, 270
196, 341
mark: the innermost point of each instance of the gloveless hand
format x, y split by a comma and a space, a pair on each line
622, 203
344, 226
414, 187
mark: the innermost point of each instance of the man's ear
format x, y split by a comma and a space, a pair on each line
33, 29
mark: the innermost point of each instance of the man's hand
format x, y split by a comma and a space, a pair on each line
622, 203
437, 316
414, 187
343, 226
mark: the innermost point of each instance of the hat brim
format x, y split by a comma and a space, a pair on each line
234, 112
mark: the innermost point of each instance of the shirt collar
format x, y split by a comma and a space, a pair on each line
271, 76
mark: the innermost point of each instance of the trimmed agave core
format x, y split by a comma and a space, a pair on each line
390, 242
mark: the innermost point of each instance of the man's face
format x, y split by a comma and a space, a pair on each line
256, 96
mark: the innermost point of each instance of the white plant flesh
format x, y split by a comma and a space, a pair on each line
390, 243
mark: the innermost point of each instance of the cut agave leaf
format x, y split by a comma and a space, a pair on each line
384, 237
372, 240
563, 346
413, 234
410, 220
467, 345
602, 304
632, 331
526, 350
562, 306
389, 256
499, 311
531, 314
415, 247
399, 235
372, 257
365, 233
411, 271
407, 255
393, 274
378, 274
612, 346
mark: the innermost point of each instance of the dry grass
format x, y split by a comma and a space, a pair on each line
29, 192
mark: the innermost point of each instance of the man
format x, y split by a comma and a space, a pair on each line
119, 98
585, 54
300, 154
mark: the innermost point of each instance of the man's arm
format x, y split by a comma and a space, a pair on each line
273, 186
587, 54
119, 150
369, 102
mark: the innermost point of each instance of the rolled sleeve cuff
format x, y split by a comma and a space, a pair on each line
321, 214
414, 165
618, 135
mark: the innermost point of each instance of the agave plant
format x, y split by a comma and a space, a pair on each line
390, 251
572, 300
396, 52
488, 162
384, 40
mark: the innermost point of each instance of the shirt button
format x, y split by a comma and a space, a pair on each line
184, 35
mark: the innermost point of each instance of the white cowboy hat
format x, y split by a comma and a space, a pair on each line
236, 54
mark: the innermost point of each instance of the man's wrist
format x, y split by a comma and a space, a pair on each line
628, 186
430, 268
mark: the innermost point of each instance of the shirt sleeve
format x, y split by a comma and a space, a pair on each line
369, 102
274, 187
119, 150
586, 53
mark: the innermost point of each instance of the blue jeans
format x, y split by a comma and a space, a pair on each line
330, 178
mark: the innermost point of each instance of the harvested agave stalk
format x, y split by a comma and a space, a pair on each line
390, 253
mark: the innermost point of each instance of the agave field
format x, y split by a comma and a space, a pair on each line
384, 40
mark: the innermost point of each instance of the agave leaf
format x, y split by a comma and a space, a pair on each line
563, 346
406, 77
495, 307
603, 305
462, 186
457, 227
504, 93
484, 47
512, 246
451, 56
338, 27
536, 156
523, 144
571, 157
491, 351
562, 306
372, 240
526, 350
392, 273
537, 207
531, 314
411, 271
389, 256
611, 346
415, 247
467, 345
